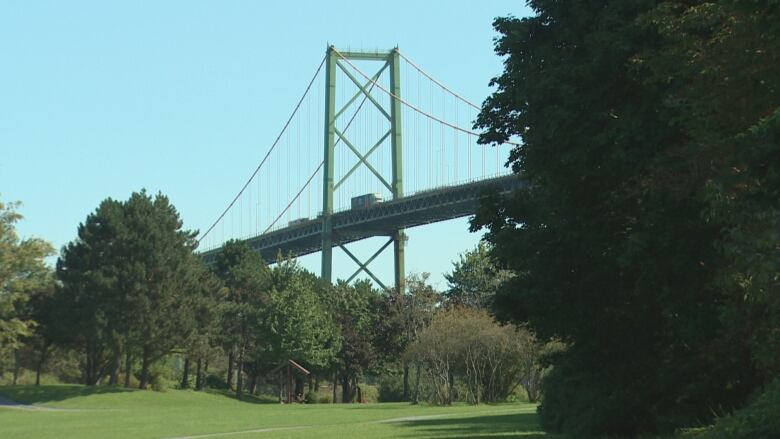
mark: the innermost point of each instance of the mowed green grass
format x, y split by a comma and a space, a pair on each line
119, 413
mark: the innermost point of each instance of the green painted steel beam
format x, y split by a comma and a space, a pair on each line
367, 56
396, 145
363, 89
364, 266
327, 173
362, 159
357, 165
391, 60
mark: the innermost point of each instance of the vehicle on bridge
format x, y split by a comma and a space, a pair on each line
297, 222
367, 200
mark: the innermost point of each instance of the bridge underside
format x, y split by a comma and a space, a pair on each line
379, 220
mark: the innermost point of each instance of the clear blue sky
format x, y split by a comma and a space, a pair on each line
100, 99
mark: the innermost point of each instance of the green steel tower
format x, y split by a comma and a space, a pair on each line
389, 61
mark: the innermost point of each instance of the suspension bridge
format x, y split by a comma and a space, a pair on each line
373, 163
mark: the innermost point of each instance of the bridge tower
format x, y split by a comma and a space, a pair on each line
389, 60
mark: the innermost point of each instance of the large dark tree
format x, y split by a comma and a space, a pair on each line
246, 281
646, 126
403, 315
130, 283
89, 302
354, 309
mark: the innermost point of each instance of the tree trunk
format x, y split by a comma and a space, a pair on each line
416, 399
281, 386
450, 386
335, 385
198, 375
128, 368
405, 396
256, 377
316, 383
41, 360
205, 372
88, 366
17, 366
230, 371
253, 384
185, 375
310, 384
116, 365
144, 370
240, 376
346, 390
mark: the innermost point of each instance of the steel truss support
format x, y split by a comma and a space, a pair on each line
391, 61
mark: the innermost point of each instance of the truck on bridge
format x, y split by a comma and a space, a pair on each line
366, 200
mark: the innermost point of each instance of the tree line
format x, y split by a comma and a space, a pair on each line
130, 293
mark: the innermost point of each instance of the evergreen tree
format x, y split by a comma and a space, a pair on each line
246, 282
475, 278
130, 284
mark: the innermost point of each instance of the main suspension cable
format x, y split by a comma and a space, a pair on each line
349, 123
297, 106
413, 107
437, 82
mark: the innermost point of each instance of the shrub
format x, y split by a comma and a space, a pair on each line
369, 393
489, 360
214, 381
162, 375
759, 420
391, 388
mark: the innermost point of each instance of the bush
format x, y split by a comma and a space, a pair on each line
214, 381
391, 388
162, 375
759, 420
470, 345
369, 393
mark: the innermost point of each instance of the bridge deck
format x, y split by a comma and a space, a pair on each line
379, 220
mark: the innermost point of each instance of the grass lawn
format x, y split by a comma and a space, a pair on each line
111, 412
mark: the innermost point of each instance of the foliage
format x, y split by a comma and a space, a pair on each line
759, 420
390, 388
405, 314
298, 324
725, 96
245, 278
23, 272
475, 278
354, 310
491, 360
646, 240
130, 284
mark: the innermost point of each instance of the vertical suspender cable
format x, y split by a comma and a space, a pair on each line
444, 116
230, 205
455, 140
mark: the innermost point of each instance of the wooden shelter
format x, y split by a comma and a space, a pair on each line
291, 367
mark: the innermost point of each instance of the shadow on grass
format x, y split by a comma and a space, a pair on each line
519, 425
52, 393
247, 398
